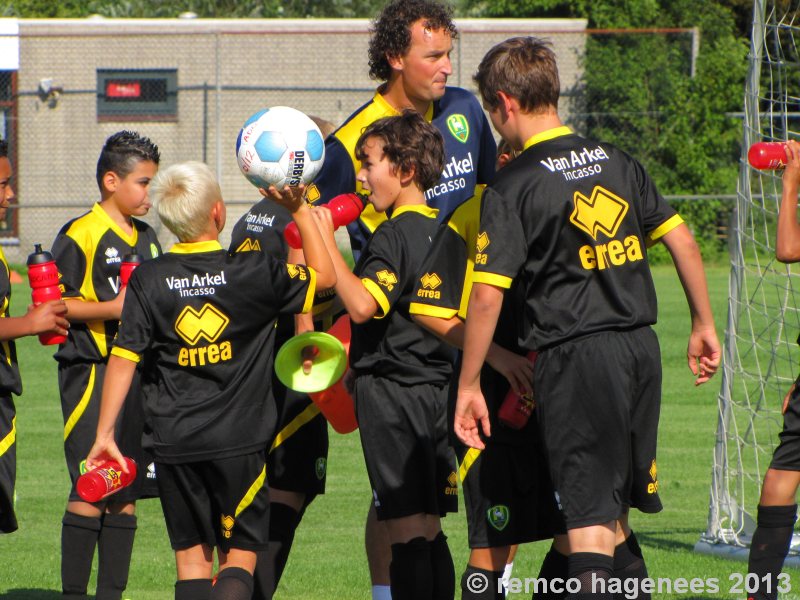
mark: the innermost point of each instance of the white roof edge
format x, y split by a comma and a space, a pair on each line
107, 26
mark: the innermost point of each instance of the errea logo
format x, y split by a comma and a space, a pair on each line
208, 323
297, 271
249, 246
387, 279
112, 255
603, 213
480, 245
430, 281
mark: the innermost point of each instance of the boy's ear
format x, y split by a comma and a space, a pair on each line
508, 104
110, 181
407, 176
218, 214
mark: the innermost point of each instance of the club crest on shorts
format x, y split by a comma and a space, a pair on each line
227, 522
458, 126
320, 466
498, 516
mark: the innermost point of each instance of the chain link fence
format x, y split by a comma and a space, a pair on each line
189, 85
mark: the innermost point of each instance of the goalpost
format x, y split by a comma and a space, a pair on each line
760, 351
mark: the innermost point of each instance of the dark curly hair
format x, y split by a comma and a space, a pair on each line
122, 152
409, 141
391, 31
3, 148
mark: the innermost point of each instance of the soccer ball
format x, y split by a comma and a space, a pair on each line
280, 146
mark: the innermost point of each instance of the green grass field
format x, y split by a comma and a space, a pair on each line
328, 559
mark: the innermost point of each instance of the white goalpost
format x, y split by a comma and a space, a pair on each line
761, 357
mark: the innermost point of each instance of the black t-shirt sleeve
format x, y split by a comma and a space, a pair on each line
439, 288
501, 249
136, 324
293, 287
658, 216
382, 269
71, 262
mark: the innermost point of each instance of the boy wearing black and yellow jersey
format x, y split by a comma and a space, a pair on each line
47, 317
202, 321
508, 494
401, 371
88, 251
571, 219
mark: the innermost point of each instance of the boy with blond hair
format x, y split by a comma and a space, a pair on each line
203, 322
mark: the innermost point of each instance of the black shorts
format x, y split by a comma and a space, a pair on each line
597, 400
222, 503
508, 495
787, 455
8, 464
403, 432
298, 455
81, 386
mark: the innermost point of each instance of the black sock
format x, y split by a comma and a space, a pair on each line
410, 572
283, 521
769, 547
554, 566
480, 584
630, 569
593, 571
114, 548
78, 540
233, 583
444, 571
193, 589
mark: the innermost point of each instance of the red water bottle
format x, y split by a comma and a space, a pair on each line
516, 410
345, 209
129, 263
107, 479
767, 155
43, 279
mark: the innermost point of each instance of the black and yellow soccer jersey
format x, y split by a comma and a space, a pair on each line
574, 218
202, 321
391, 345
469, 151
88, 252
261, 229
10, 381
442, 290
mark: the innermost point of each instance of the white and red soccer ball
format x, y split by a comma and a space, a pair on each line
280, 146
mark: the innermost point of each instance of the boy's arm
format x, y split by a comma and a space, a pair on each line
357, 301
483, 311
82, 311
117, 382
45, 318
704, 350
316, 255
517, 369
787, 243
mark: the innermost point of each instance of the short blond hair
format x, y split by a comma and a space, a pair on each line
184, 195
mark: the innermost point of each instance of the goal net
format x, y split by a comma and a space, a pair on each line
760, 349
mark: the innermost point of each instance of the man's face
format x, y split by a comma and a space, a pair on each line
424, 69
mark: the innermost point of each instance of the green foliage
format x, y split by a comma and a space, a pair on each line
202, 8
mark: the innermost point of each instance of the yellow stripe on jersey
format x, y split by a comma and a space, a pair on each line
547, 135
101, 214
9, 440
81, 407
494, 279
441, 312
465, 221
380, 298
194, 247
312, 289
421, 209
251, 493
126, 354
469, 458
7, 351
311, 411
663, 229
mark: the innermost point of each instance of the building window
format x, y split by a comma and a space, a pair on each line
137, 95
